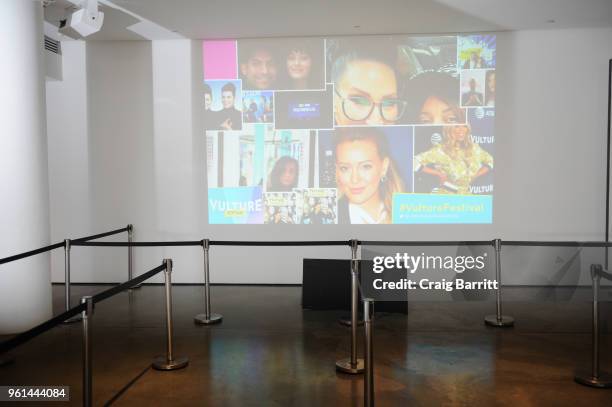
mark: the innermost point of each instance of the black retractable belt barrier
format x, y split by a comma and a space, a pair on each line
86, 308
58, 245
66, 244
425, 243
280, 243
58, 319
31, 253
124, 286
101, 235
556, 243
138, 244
594, 378
39, 329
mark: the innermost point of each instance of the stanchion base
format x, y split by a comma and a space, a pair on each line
603, 381
344, 366
72, 320
6, 360
202, 320
346, 321
506, 321
162, 363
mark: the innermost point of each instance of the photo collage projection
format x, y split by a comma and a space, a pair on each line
350, 130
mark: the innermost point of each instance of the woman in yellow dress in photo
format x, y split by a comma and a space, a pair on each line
457, 161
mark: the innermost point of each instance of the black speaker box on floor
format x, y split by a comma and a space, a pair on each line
326, 285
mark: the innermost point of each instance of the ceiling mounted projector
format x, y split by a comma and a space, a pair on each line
86, 21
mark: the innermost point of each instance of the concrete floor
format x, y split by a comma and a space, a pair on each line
270, 352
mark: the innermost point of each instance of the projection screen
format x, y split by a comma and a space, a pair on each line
350, 130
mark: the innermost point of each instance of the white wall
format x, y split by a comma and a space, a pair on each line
551, 134
69, 175
176, 183
147, 161
25, 292
121, 159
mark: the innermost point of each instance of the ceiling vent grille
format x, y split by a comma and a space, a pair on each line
52, 45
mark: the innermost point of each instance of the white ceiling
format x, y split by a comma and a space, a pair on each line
200, 19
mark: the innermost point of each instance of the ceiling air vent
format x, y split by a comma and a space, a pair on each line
52, 45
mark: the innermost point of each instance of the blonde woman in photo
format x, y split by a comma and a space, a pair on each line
366, 176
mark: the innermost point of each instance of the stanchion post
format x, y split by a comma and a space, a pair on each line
353, 365
348, 321
368, 383
498, 320
207, 318
595, 378
67, 273
169, 362
87, 315
67, 249
130, 231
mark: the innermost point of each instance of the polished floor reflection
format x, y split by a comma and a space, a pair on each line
270, 352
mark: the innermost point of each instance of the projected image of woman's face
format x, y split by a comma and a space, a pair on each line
299, 64
288, 177
459, 133
366, 94
284, 175
359, 170
437, 111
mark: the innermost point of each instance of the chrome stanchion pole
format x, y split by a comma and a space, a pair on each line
595, 378
67, 248
207, 318
87, 315
353, 365
498, 320
348, 320
368, 383
67, 273
130, 230
169, 362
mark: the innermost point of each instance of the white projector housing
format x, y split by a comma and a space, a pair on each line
86, 22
